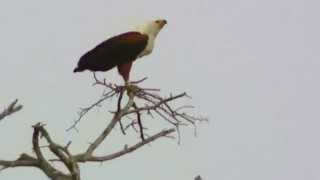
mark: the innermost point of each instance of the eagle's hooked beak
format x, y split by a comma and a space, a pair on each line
161, 22
164, 22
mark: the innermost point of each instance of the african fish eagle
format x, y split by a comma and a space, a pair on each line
120, 51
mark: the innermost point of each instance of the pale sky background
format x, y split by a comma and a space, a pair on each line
251, 66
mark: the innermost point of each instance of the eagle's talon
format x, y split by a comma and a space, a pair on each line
131, 88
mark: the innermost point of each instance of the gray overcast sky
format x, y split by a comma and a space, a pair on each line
251, 66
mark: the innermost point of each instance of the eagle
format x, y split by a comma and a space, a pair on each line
121, 50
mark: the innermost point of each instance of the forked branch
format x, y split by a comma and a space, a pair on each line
12, 108
40, 161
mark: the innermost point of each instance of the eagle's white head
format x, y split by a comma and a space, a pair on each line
152, 28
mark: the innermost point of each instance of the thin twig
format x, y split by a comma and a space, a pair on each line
139, 121
119, 109
12, 108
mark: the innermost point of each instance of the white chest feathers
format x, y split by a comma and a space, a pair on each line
149, 47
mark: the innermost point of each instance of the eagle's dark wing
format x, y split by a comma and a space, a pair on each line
115, 51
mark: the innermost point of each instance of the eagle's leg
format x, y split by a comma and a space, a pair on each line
124, 71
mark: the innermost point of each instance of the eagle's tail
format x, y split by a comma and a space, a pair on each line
77, 69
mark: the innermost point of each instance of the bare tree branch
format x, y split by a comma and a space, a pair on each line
12, 108
39, 161
152, 103
61, 152
110, 126
140, 102
44, 165
156, 105
84, 111
23, 160
139, 121
126, 150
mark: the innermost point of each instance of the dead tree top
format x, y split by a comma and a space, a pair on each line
140, 102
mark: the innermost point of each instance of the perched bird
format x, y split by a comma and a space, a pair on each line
120, 51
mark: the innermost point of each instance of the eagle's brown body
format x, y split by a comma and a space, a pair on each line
120, 51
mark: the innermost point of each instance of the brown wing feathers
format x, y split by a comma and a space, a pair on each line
115, 51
